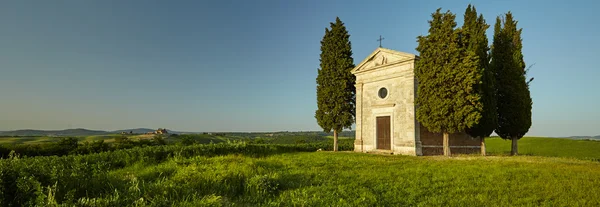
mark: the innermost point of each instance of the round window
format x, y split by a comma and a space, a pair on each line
382, 92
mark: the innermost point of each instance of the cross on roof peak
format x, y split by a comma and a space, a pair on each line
380, 40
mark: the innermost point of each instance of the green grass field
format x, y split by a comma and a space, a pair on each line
549, 172
553, 172
534, 146
261, 175
351, 179
26, 140
550, 147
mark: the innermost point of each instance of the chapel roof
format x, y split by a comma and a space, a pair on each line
383, 56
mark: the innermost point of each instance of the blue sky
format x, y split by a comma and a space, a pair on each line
251, 65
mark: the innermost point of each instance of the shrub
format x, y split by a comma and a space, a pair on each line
92, 147
186, 140
25, 181
159, 139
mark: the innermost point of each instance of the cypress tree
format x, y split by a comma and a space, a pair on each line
447, 75
513, 97
475, 40
335, 83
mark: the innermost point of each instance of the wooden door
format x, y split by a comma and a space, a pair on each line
384, 140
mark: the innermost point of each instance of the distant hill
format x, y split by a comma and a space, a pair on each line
146, 130
76, 132
585, 137
65, 132
135, 131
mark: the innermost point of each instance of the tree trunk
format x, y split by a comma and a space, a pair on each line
446, 144
335, 141
482, 145
514, 149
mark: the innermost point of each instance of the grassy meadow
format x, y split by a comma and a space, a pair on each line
528, 146
350, 179
290, 171
550, 147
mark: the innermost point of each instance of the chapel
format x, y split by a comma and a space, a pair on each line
386, 90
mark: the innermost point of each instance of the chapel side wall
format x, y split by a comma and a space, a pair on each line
399, 104
460, 143
358, 142
418, 144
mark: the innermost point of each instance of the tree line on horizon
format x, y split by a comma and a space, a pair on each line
464, 84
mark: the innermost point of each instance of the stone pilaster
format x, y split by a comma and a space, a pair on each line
358, 142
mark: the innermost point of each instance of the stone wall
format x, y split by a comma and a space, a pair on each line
460, 143
399, 104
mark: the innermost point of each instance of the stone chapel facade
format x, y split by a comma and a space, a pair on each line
386, 90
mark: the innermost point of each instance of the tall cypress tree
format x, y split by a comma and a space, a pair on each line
475, 40
335, 84
447, 75
513, 97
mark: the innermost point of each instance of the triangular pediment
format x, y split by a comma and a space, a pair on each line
381, 57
